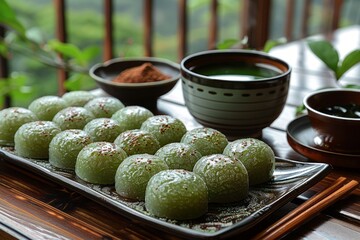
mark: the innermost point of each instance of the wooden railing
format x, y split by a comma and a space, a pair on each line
253, 22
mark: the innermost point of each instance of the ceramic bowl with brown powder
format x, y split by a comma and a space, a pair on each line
136, 81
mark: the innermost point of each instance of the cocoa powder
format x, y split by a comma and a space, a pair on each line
143, 73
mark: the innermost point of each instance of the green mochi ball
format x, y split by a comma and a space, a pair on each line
78, 98
133, 174
206, 140
179, 155
131, 117
137, 141
176, 194
46, 107
65, 147
10, 120
226, 178
257, 157
165, 128
73, 118
32, 139
104, 107
97, 162
103, 129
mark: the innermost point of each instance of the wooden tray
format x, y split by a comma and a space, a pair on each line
291, 178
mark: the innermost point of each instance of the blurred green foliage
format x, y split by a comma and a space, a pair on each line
327, 53
243, 44
31, 43
15, 87
36, 20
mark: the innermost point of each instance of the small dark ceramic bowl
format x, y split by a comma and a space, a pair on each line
142, 94
334, 133
238, 92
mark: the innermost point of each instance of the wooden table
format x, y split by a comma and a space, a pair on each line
31, 207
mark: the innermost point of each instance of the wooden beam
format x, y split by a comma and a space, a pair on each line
258, 22
61, 35
148, 27
213, 33
244, 19
289, 21
182, 29
338, 4
109, 39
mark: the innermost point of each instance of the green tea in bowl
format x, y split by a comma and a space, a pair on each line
238, 92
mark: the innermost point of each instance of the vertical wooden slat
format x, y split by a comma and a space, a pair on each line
259, 18
182, 29
305, 19
337, 7
61, 35
289, 21
213, 24
244, 19
148, 27
4, 68
108, 41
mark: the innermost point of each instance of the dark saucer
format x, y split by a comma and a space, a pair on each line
300, 136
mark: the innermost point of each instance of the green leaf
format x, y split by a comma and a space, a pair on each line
352, 86
72, 52
227, 43
8, 18
273, 43
17, 80
326, 52
66, 49
300, 110
90, 53
79, 81
349, 61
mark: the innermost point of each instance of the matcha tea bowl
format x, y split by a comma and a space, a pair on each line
239, 92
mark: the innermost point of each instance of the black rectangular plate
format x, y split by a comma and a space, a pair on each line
291, 178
